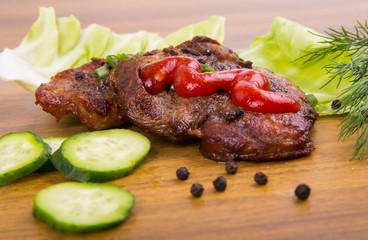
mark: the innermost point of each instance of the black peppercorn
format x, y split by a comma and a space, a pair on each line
196, 189
260, 178
231, 167
220, 184
336, 104
182, 173
302, 191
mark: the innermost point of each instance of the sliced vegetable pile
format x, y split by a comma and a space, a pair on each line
86, 157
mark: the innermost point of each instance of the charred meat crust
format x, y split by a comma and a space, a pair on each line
227, 132
79, 92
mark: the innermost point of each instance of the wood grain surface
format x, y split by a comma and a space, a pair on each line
336, 209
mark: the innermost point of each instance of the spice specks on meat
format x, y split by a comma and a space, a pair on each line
260, 178
79, 75
197, 189
207, 52
231, 167
182, 173
302, 191
220, 184
201, 60
190, 51
234, 114
245, 64
170, 51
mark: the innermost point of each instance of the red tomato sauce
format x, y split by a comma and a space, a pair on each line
249, 89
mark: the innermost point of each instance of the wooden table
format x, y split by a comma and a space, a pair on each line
336, 209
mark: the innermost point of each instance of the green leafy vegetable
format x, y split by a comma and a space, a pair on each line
354, 97
281, 50
55, 44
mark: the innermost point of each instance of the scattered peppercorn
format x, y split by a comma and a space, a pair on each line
196, 189
220, 184
231, 167
302, 191
336, 104
182, 173
260, 178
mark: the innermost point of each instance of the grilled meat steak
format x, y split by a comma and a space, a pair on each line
227, 132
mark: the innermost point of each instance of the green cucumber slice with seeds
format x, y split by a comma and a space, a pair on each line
82, 207
21, 153
54, 143
101, 156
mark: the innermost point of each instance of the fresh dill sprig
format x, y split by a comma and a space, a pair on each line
354, 98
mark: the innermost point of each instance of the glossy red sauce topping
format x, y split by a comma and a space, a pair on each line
249, 89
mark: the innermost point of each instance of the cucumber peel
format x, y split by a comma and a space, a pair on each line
54, 143
21, 154
101, 156
82, 207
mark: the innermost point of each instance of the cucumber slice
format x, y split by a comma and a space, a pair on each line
82, 207
101, 156
54, 143
21, 153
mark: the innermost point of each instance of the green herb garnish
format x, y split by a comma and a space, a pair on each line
206, 68
104, 71
354, 98
312, 99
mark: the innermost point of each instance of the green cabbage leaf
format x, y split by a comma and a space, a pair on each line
55, 44
282, 51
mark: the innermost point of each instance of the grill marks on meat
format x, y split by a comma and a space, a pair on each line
227, 133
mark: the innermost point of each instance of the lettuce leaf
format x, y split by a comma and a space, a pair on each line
281, 50
55, 44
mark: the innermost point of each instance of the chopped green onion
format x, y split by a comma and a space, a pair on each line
118, 57
206, 68
172, 88
139, 53
124, 56
110, 60
102, 72
313, 99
